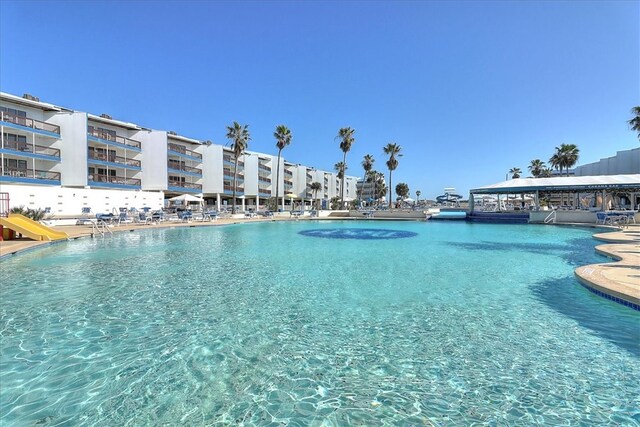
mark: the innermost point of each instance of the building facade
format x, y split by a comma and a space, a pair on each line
47, 147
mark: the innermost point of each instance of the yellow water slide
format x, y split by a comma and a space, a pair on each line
30, 228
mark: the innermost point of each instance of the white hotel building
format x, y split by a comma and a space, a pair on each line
68, 161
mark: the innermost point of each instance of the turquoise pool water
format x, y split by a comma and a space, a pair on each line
257, 324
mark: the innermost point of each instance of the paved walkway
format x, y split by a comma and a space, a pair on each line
619, 280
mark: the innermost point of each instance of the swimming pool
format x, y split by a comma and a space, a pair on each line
432, 323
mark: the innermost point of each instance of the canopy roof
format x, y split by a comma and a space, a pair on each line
563, 183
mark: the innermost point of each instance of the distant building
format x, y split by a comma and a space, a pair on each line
624, 162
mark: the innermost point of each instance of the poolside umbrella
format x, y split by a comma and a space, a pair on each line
186, 198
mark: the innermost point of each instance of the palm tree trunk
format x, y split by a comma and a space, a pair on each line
390, 190
235, 184
278, 179
344, 165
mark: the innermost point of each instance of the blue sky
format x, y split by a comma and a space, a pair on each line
468, 89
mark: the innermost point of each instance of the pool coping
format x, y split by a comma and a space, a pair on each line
618, 281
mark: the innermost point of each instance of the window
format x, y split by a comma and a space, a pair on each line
102, 154
14, 112
14, 164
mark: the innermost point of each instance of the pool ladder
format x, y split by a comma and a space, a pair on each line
100, 227
551, 218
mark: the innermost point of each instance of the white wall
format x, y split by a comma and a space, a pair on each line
73, 150
250, 174
70, 201
154, 159
212, 182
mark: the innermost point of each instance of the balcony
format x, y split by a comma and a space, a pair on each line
229, 174
24, 147
230, 188
29, 123
228, 160
180, 184
288, 172
108, 137
112, 158
177, 148
264, 179
184, 168
112, 179
264, 167
31, 174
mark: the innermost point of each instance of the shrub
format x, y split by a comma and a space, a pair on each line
34, 214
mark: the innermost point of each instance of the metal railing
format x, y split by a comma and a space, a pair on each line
122, 180
26, 147
113, 159
551, 218
174, 183
230, 188
264, 179
30, 173
184, 168
106, 136
30, 123
183, 150
230, 161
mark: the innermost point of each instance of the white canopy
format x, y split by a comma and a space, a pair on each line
186, 198
563, 183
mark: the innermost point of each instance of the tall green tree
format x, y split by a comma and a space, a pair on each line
535, 167
393, 151
515, 173
570, 155
402, 190
239, 137
634, 123
367, 165
315, 187
283, 138
345, 135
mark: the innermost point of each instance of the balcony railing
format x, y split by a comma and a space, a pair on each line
173, 183
122, 180
230, 188
264, 167
183, 150
263, 179
30, 173
229, 160
30, 123
184, 168
287, 182
229, 174
113, 159
31, 148
106, 136
288, 172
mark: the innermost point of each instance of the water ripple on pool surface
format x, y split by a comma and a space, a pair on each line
189, 327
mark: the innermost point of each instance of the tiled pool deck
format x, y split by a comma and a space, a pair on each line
618, 280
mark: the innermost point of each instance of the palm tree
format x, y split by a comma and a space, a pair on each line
418, 193
402, 190
566, 156
570, 154
367, 165
283, 138
346, 140
634, 123
556, 162
545, 172
315, 187
536, 167
239, 137
515, 173
392, 150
